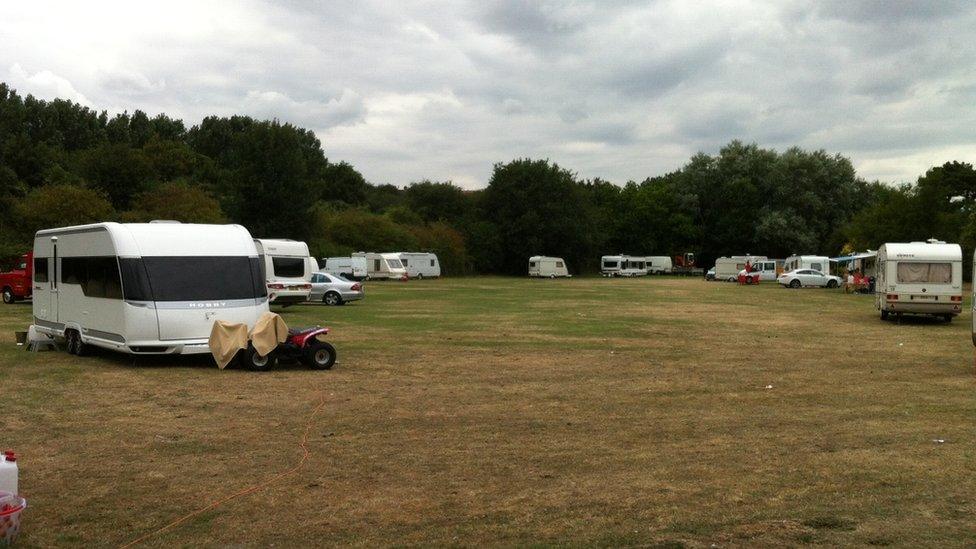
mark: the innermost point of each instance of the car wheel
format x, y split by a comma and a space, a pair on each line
258, 363
319, 356
8, 296
831, 283
332, 298
794, 283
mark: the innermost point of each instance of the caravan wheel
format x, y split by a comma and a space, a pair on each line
552, 276
75, 345
420, 276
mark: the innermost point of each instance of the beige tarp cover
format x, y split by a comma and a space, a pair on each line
269, 331
226, 338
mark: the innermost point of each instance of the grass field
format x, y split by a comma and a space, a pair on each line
503, 411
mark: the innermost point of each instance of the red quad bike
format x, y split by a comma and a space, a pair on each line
302, 345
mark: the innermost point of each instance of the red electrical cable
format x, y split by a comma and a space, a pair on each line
246, 491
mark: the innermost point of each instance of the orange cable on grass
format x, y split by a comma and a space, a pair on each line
246, 491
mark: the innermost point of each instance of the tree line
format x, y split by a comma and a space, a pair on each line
63, 164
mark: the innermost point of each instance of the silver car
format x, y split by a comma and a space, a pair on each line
335, 290
808, 277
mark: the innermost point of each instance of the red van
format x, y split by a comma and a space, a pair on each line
16, 283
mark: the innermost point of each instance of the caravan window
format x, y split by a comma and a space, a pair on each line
924, 273
97, 276
40, 269
431, 262
817, 266
192, 278
291, 267
394, 263
404, 262
531, 263
559, 264
607, 264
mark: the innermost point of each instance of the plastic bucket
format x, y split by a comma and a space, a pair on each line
10, 518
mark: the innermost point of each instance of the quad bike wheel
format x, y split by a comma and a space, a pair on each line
256, 362
319, 356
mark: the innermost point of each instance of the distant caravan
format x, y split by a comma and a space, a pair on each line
382, 266
814, 262
623, 265
420, 264
287, 270
548, 267
145, 288
919, 278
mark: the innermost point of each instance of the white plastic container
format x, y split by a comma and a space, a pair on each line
8, 472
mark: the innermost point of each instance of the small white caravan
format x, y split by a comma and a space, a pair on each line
658, 264
727, 268
287, 270
352, 268
919, 278
380, 266
815, 262
145, 288
420, 264
622, 265
548, 267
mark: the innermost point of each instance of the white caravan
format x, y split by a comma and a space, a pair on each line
622, 265
548, 267
420, 264
658, 264
383, 265
146, 288
919, 278
727, 268
286, 270
352, 268
815, 262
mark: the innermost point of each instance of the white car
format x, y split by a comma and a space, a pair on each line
808, 277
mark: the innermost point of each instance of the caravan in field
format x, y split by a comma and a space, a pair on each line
548, 267
727, 268
379, 266
622, 265
813, 262
287, 270
420, 264
919, 278
146, 288
658, 264
352, 268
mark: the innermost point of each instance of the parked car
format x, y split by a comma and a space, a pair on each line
808, 277
335, 290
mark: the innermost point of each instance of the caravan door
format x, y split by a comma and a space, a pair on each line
45, 291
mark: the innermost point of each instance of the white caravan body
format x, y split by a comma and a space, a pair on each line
622, 265
380, 266
287, 270
919, 278
547, 267
658, 264
146, 288
420, 264
352, 268
815, 262
727, 268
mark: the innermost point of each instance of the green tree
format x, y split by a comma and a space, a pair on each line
175, 200
60, 206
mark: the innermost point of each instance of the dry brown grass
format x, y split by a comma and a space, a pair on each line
501, 411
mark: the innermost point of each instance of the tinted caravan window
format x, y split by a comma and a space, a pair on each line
97, 276
192, 278
40, 269
291, 267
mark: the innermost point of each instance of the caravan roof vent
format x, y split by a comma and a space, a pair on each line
165, 221
935, 241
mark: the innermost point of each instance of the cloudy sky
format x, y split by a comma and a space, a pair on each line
620, 90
